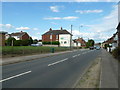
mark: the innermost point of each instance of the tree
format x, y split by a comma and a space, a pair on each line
90, 43
10, 41
35, 41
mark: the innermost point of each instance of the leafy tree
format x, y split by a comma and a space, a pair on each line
90, 43
10, 41
35, 41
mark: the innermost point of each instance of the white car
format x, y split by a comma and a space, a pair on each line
36, 44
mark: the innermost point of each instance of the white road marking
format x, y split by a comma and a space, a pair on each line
57, 62
15, 76
78, 54
74, 56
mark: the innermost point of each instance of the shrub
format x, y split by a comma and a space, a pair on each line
18, 43
116, 52
53, 43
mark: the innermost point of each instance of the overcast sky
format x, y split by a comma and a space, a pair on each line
98, 19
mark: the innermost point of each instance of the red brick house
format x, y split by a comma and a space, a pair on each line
53, 34
20, 35
80, 42
62, 36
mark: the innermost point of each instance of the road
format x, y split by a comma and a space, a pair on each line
59, 71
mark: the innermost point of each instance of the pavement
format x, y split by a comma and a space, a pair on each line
109, 71
11, 60
58, 71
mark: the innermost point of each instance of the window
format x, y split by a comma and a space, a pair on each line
51, 36
56, 36
65, 42
62, 42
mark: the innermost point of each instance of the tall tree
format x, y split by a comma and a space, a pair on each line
90, 43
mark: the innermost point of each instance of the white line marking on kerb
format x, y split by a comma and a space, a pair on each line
57, 62
74, 56
15, 76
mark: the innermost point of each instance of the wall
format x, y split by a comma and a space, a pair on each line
2, 39
64, 38
119, 12
47, 38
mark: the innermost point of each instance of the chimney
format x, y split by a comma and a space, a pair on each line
61, 28
50, 29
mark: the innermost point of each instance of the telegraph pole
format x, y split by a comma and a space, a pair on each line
71, 39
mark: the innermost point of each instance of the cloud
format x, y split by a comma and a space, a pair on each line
88, 11
102, 31
38, 33
61, 18
23, 28
54, 23
53, 18
35, 29
70, 17
6, 26
54, 8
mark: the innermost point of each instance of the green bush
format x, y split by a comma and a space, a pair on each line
18, 43
53, 43
116, 52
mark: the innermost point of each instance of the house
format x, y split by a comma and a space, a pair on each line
2, 38
112, 42
80, 42
118, 30
19, 35
62, 36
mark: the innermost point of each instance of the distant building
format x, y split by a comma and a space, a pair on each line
62, 36
2, 38
80, 42
19, 35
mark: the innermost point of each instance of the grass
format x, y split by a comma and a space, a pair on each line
26, 50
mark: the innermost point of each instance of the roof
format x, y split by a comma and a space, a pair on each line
118, 27
81, 40
119, 2
2, 32
18, 34
56, 32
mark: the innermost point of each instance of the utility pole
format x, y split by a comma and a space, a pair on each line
71, 39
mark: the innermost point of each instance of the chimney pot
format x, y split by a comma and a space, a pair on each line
50, 29
61, 28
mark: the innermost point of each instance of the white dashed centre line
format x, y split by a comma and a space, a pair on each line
74, 56
15, 76
78, 54
57, 62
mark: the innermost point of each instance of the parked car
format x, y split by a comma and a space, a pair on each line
91, 48
97, 48
38, 44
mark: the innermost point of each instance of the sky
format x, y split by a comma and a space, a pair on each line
90, 20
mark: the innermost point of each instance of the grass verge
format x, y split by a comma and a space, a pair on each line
91, 77
12, 51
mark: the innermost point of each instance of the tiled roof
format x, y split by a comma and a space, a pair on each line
118, 27
56, 32
18, 34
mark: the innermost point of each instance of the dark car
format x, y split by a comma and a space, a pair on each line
91, 48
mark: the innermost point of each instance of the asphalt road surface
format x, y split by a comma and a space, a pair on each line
59, 71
